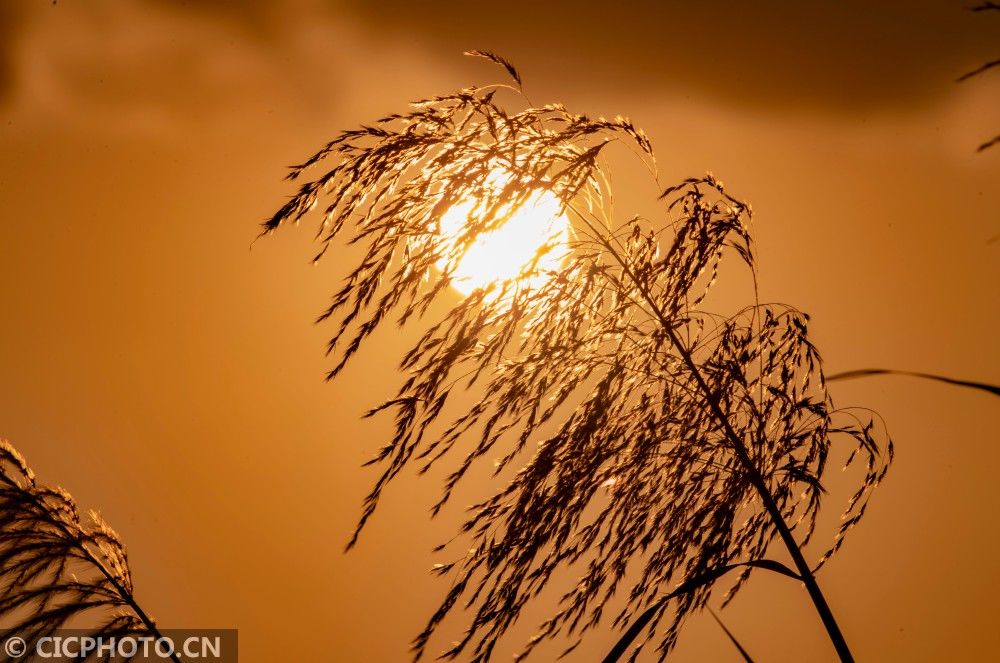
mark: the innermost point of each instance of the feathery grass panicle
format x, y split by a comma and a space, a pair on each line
57, 566
655, 443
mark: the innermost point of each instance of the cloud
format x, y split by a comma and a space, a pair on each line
843, 56
10, 21
156, 67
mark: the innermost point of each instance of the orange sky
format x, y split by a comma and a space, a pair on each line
164, 373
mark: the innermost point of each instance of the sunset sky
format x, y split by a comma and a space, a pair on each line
171, 377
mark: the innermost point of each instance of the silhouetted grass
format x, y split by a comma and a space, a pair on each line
867, 372
983, 7
57, 566
732, 638
657, 445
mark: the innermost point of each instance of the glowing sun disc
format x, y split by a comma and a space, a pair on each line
536, 229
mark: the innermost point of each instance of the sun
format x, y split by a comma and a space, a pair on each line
531, 242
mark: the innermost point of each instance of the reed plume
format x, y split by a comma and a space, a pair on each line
650, 444
59, 569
